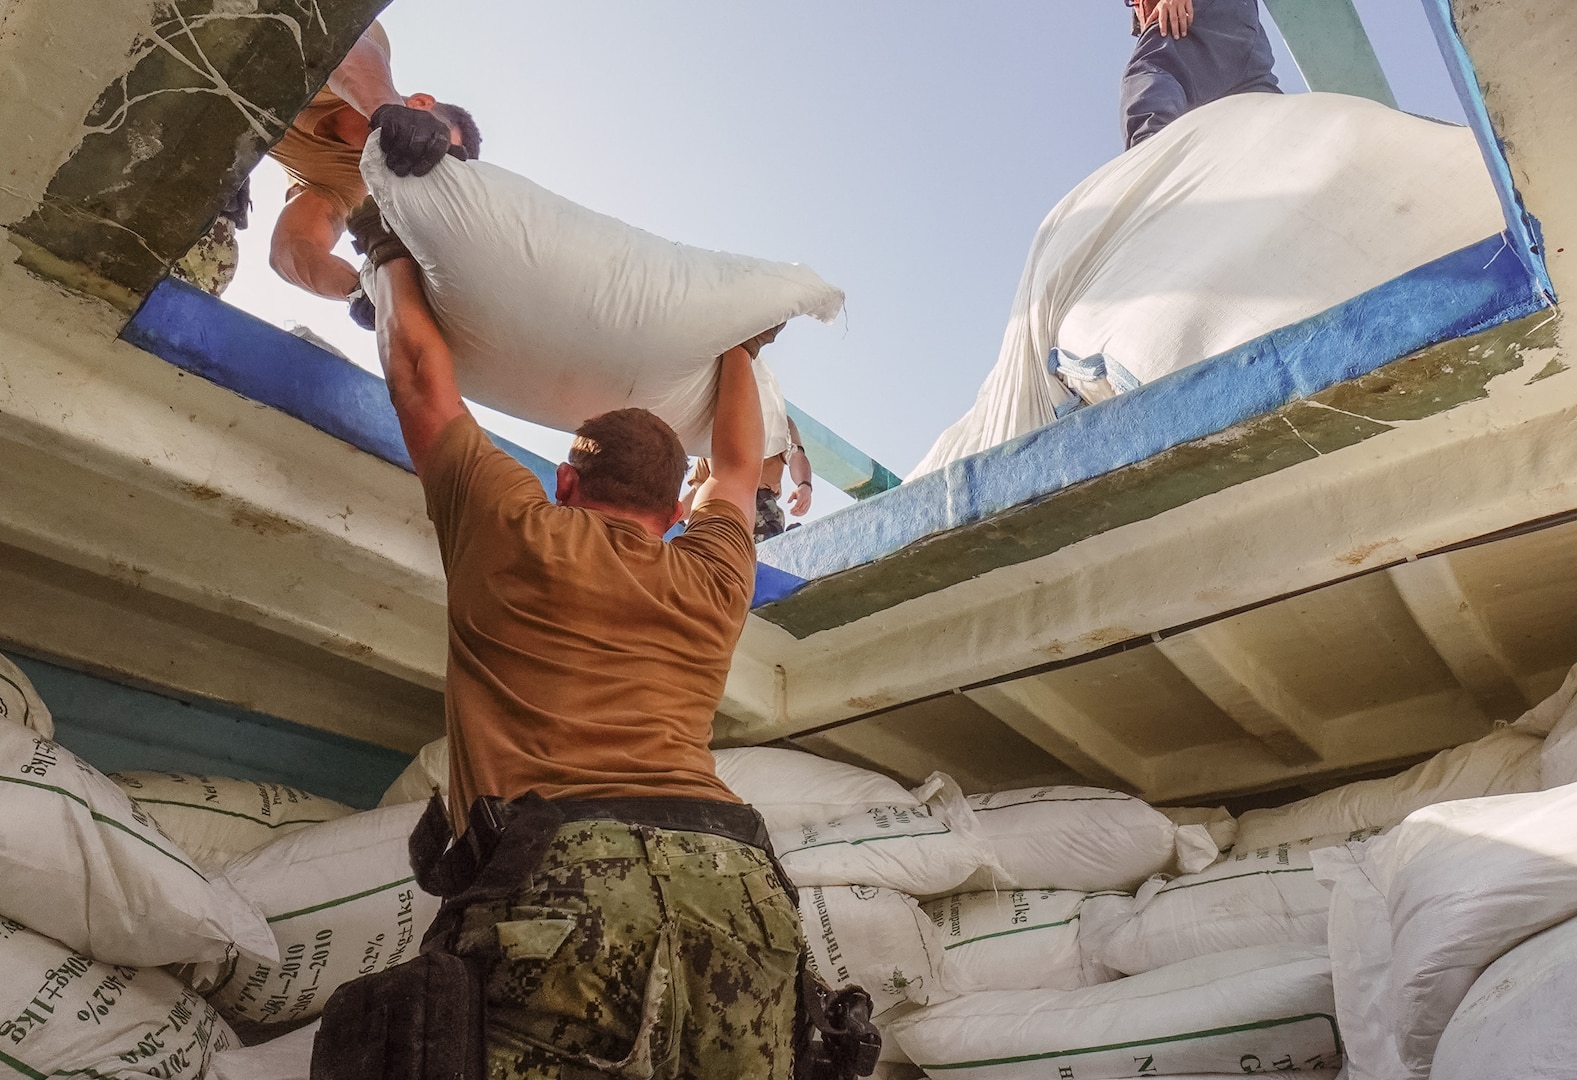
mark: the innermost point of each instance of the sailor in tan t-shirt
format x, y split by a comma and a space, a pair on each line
321, 153
586, 661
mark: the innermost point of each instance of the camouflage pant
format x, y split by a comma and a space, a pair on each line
769, 515
636, 952
211, 264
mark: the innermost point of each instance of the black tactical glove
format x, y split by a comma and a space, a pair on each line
371, 236
766, 337
414, 141
362, 313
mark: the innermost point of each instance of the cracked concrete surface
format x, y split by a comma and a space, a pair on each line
129, 125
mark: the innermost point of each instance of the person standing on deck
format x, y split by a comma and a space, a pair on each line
1190, 53
769, 515
587, 657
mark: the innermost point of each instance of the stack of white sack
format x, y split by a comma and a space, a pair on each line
93, 897
1516, 1021
836, 824
341, 901
1268, 896
1504, 762
1244, 216
1081, 838
20, 703
1015, 939
215, 818
288, 1057
1555, 718
1421, 913
1266, 1009
556, 314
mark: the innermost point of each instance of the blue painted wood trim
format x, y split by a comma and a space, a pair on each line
1523, 232
1461, 294
116, 729
205, 336
834, 458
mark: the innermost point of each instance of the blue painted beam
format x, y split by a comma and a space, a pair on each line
116, 728
205, 336
1331, 47
1524, 236
836, 460
1461, 294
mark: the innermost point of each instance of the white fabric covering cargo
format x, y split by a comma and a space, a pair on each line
80, 863
1242, 217
1516, 1021
1231, 1013
556, 313
66, 1014
1465, 882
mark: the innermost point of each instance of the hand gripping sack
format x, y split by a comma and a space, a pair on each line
214, 818
80, 863
556, 314
65, 1014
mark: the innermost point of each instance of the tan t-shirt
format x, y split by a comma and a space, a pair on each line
322, 163
586, 656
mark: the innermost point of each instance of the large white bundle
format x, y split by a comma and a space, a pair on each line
1015, 939
64, 1014
1266, 1009
20, 703
288, 1057
874, 938
81, 864
1465, 882
1242, 217
1516, 1021
925, 846
1082, 838
1359, 944
342, 902
790, 787
556, 314
427, 774
1265, 897
214, 818
1501, 763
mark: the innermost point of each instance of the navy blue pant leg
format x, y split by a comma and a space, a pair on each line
1226, 52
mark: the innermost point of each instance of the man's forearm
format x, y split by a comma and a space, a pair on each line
363, 79
315, 270
738, 435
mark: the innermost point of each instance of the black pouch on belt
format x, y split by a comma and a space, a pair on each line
423, 1019
420, 1020
834, 1038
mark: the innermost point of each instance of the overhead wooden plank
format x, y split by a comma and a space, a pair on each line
1034, 709
1435, 599
1331, 47
837, 460
1229, 674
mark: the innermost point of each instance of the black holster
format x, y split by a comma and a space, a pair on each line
834, 1038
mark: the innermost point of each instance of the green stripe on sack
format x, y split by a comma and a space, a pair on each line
1262, 1025
1010, 933
342, 900
1174, 887
21, 1067
866, 840
230, 813
96, 816
1049, 802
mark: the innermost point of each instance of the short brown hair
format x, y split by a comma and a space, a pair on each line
630, 459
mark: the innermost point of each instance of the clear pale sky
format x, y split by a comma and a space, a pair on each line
906, 151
